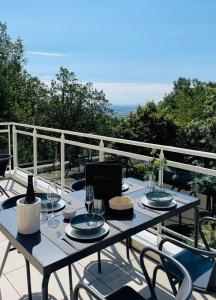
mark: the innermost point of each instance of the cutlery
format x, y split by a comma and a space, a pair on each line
62, 237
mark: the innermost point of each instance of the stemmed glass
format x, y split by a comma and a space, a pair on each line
89, 197
52, 193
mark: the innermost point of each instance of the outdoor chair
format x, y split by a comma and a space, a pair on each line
4, 161
128, 293
76, 159
78, 185
200, 264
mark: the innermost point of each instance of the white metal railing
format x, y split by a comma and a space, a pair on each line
38, 132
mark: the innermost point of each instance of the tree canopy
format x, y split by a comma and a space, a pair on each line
65, 104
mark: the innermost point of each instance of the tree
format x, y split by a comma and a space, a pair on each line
20, 93
189, 100
78, 107
148, 124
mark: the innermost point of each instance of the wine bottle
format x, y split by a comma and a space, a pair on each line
30, 196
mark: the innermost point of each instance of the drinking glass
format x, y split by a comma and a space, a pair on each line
98, 207
89, 197
52, 193
44, 212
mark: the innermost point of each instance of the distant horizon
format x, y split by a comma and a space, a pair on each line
133, 52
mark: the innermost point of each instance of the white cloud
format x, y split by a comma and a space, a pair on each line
133, 93
128, 93
40, 53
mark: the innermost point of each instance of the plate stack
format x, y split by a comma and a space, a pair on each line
159, 200
87, 227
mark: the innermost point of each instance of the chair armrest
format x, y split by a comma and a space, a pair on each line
184, 246
89, 290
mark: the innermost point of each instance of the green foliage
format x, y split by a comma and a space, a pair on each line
153, 165
190, 100
78, 107
148, 124
67, 104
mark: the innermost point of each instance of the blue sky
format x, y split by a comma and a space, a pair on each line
132, 49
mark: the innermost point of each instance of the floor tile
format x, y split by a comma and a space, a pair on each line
7, 292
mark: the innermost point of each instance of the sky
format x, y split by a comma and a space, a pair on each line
132, 49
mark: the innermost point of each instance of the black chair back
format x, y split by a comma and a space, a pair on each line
106, 179
11, 202
78, 185
185, 289
4, 161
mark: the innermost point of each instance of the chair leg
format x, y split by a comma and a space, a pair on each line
154, 276
4, 192
5, 258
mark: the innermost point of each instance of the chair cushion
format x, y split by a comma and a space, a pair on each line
125, 293
198, 266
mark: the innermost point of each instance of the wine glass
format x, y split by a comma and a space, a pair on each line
52, 193
89, 197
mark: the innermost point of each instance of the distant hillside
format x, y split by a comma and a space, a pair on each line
123, 111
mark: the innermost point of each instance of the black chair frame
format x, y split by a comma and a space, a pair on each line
176, 280
4, 161
125, 292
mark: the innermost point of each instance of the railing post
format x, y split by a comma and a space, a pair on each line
35, 155
9, 146
101, 152
161, 170
62, 163
15, 157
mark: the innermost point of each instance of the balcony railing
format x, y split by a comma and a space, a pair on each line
96, 143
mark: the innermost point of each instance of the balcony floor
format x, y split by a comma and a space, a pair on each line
116, 271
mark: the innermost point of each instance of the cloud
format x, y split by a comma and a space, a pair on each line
128, 93
133, 93
40, 53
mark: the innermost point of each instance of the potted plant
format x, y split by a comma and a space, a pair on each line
151, 168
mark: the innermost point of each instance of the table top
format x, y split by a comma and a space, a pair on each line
49, 253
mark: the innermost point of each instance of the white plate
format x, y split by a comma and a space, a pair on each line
86, 236
155, 205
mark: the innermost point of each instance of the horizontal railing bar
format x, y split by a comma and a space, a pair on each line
192, 168
127, 142
4, 130
183, 166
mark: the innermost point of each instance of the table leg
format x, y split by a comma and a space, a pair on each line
196, 226
28, 274
128, 245
70, 280
45, 287
99, 262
